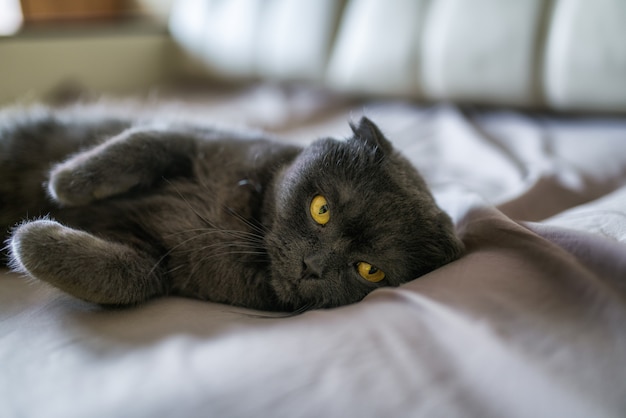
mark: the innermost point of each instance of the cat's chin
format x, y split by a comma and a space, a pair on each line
305, 294
286, 292
293, 293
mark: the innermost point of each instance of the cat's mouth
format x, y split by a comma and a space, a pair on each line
287, 291
296, 290
308, 276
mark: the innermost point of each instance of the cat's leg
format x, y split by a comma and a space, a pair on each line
138, 157
84, 265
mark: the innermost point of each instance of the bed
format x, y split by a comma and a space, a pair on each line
531, 321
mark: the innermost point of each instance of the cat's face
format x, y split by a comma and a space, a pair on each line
352, 216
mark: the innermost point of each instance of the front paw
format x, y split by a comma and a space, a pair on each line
34, 248
51, 252
84, 265
70, 187
77, 183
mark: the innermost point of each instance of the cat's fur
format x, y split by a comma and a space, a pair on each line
126, 213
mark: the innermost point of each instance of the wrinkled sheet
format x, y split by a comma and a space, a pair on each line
531, 321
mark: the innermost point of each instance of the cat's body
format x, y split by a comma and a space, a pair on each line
136, 212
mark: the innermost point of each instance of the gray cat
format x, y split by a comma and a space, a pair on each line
124, 213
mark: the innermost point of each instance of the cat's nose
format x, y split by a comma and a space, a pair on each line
312, 267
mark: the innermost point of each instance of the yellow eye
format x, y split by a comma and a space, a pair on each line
320, 211
369, 272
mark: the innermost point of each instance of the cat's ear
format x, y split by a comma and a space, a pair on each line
367, 131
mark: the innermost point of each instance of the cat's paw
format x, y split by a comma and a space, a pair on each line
39, 249
82, 264
81, 181
51, 252
69, 187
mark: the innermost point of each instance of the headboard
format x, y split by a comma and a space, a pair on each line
567, 55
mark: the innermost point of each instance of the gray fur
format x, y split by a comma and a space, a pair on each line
127, 213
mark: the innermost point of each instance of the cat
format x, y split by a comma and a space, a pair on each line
121, 212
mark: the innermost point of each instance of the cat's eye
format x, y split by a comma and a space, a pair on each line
320, 212
369, 272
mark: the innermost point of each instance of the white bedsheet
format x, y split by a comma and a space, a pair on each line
530, 322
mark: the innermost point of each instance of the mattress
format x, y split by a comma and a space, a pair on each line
529, 322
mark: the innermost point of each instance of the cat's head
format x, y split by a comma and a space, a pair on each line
351, 216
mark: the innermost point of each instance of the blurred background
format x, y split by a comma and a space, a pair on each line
564, 55
57, 49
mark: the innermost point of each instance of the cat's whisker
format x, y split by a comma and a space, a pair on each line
258, 227
243, 234
283, 315
173, 269
249, 244
184, 199
206, 231
303, 308
225, 253
199, 265
171, 250
220, 246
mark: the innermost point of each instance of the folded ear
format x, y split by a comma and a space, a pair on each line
368, 132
